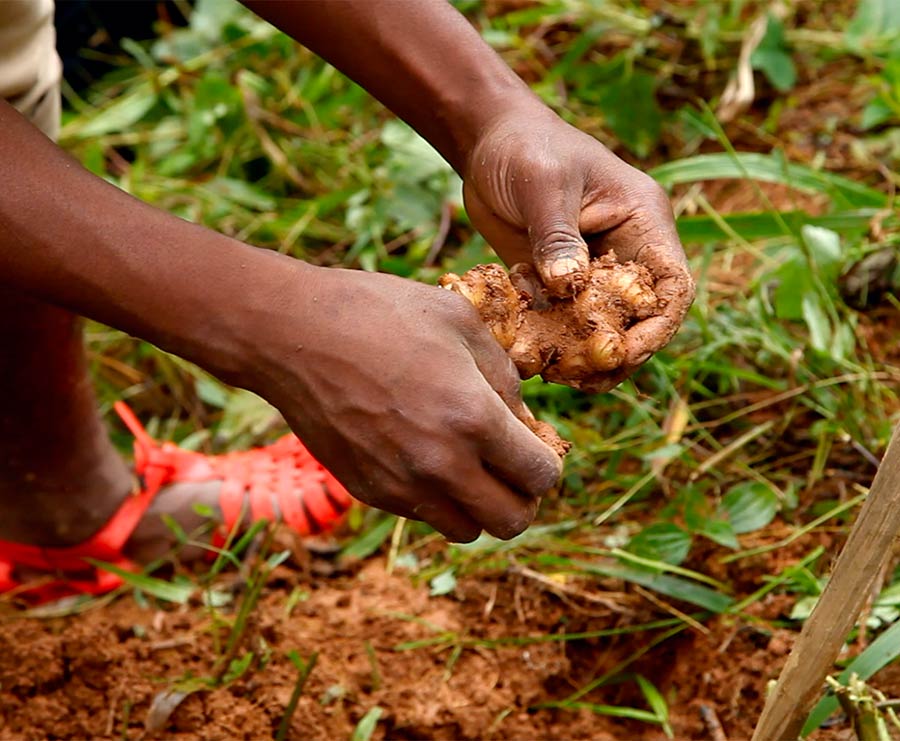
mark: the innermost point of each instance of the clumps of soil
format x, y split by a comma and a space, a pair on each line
549, 435
578, 340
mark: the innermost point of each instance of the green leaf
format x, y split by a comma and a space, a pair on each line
877, 112
771, 57
370, 540
873, 21
794, 284
630, 110
443, 583
238, 667
749, 506
817, 321
721, 532
241, 193
881, 652
825, 247
758, 225
120, 115
615, 711
671, 586
367, 724
656, 702
178, 593
663, 541
767, 168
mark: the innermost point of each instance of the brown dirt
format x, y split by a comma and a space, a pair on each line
94, 676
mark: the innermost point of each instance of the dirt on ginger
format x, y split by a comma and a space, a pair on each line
577, 341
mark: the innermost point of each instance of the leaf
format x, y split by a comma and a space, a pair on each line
443, 583
766, 168
370, 540
881, 652
721, 532
794, 284
874, 20
663, 541
367, 724
757, 225
615, 711
656, 702
749, 506
671, 586
178, 593
825, 246
877, 112
161, 708
120, 115
241, 193
238, 667
771, 57
817, 321
630, 110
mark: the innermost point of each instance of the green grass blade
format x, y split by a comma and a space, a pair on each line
671, 586
370, 541
164, 590
366, 726
881, 652
769, 169
615, 711
763, 225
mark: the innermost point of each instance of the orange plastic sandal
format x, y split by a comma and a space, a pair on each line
281, 483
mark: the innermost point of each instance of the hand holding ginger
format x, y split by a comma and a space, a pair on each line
578, 341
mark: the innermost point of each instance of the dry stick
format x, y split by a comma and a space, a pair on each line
861, 560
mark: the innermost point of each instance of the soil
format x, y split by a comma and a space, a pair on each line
95, 675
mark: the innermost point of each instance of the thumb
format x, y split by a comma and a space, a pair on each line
560, 255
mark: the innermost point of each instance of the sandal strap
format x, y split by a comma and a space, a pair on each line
281, 482
285, 485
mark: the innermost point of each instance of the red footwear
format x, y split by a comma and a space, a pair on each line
281, 482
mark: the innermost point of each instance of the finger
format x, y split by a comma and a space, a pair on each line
497, 369
514, 453
675, 290
510, 244
518, 457
498, 509
443, 514
560, 254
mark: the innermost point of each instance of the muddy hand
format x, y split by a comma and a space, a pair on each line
401, 392
542, 192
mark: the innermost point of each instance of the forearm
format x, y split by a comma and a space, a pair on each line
421, 58
74, 240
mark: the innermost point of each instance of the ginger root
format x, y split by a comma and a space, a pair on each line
577, 341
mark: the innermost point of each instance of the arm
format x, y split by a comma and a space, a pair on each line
539, 190
394, 386
420, 58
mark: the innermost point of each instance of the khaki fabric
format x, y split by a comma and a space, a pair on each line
30, 69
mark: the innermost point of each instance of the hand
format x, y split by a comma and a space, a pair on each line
401, 392
542, 192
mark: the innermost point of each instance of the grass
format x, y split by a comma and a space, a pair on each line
767, 408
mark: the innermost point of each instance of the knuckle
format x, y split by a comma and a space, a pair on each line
558, 240
466, 420
458, 310
434, 463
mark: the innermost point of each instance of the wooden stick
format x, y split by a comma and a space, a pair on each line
867, 549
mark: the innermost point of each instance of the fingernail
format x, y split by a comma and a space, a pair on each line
564, 266
641, 359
